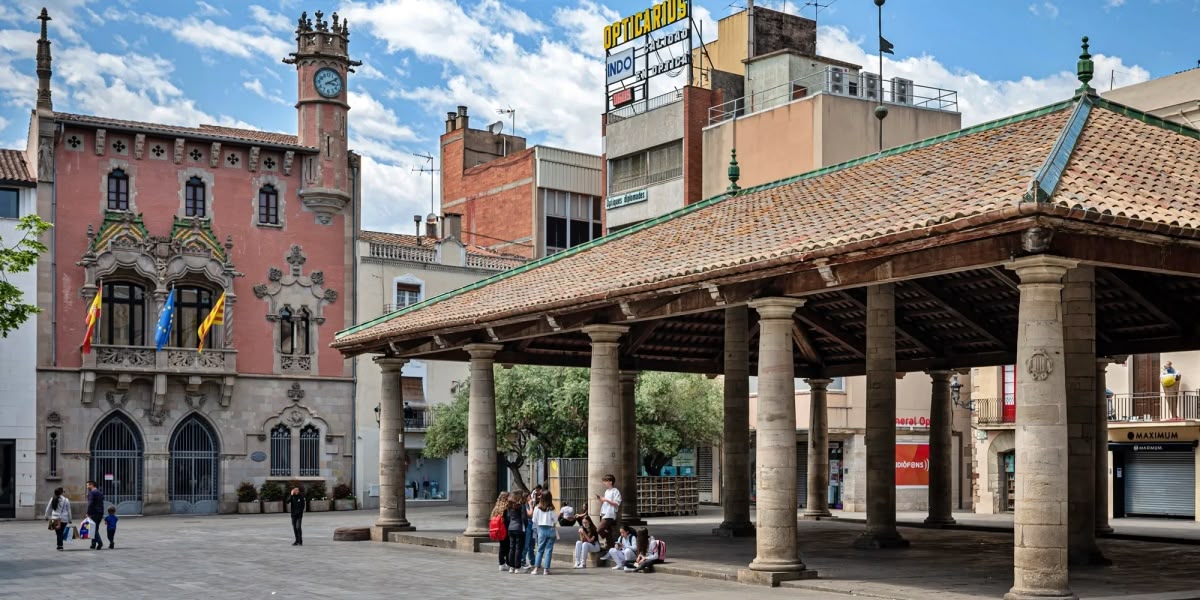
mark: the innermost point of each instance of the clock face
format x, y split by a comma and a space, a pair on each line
328, 82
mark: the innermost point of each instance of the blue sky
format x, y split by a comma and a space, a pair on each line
218, 61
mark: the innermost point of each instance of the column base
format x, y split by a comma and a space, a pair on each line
379, 533
1015, 594
939, 521
754, 576
470, 542
816, 515
880, 541
1103, 530
735, 530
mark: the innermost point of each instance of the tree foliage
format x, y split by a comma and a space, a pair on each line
19, 258
675, 411
542, 412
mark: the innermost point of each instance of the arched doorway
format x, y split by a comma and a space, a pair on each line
117, 463
195, 485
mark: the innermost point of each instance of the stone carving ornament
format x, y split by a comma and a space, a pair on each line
1039, 365
295, 393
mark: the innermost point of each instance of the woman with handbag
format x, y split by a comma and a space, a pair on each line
58, 513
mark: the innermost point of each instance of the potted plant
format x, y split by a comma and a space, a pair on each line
272, 497
343, 498
318, 501
248, 499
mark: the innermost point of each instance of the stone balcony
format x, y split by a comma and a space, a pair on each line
125, 364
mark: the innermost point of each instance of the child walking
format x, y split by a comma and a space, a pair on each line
547, 532
587, 543
498, 511
111, 523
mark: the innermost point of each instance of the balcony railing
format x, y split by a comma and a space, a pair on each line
1149, 407
840, 83
494, 263
145, 359
644, 106
406, 253
417, 420
992, 411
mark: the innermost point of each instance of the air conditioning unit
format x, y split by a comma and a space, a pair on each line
902, 91
837, 80
872, 89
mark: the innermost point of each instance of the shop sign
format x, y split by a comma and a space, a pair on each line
912, 421
1152, 434
619, 66
912, 465
642, 23
622, 97
1185, 447
626, 199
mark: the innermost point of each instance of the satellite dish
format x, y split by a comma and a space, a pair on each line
496, 127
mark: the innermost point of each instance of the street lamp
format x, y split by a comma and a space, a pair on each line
956, 395
377, 409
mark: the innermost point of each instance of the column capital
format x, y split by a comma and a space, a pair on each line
1041, 268
1104, 361
939, 375
776, 307
628, 376
483, 350
390, 363
605, 333
818, 383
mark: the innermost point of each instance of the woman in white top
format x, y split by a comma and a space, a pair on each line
588, 541
647, 553
624, 550
545, 519
58, 513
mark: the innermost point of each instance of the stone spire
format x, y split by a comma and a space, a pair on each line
1085, 69
43, 66
735, 172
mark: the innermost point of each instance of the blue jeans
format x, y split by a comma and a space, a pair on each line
545, 546
531, 538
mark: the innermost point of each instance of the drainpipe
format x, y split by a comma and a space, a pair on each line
354, 174
53, 258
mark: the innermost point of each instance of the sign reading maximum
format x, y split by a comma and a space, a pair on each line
639, 24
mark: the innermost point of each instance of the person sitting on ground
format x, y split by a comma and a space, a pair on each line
588, 541
649, 552
625, 548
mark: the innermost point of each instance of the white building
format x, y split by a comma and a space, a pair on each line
397, 270
18, 353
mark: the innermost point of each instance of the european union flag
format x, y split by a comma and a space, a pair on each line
165, 319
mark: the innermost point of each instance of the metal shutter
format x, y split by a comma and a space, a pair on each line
1160, 483
802, 474
704, 472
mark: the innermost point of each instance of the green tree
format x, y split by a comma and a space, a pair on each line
19, 258
540, 412
675, 411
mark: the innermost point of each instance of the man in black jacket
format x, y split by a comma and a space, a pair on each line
95, 512
295, 505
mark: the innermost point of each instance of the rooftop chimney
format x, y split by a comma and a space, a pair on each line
452, 226
450, 121
417, 225
431, 226
462, 120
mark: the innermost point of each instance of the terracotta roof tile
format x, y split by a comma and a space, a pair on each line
1116, 164
14, 170
213, 131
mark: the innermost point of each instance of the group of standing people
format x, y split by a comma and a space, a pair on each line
531, 523
58, 516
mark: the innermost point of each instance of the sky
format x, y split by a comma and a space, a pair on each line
189, 62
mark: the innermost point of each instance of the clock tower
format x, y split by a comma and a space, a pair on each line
322, 63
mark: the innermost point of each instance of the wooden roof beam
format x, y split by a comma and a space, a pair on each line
963, 313
831, 331
805, 346
925, 346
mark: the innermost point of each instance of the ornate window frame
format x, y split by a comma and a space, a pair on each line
210, 191
281, 193
296, 291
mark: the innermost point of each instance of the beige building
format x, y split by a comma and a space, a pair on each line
1174, 97
396, 271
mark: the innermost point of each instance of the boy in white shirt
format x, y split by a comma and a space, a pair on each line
609, 503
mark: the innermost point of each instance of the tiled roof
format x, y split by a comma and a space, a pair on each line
401, 239
981, 173
210, 131
14, 170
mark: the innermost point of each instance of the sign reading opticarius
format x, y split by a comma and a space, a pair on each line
638, 24
625, 199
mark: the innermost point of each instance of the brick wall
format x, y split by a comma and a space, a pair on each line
495, 198
696, 102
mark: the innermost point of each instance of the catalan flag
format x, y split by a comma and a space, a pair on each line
216, 316
93, 317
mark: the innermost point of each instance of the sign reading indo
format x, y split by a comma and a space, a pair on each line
639, 24
619, 66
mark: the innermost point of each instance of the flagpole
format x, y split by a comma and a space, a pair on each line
881, 110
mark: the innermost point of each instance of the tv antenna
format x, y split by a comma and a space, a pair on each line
428, 169
817, 6
512, 114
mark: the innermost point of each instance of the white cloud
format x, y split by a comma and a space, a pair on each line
246, 42
67, 17
256, 86
495, 14
270, 20
392, 194
204, 9
1114, 3
1047, 9
366, 71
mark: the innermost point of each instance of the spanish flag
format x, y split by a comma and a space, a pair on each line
93, 316
216, 316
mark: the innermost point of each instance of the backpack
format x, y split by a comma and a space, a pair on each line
497, 532
661, 546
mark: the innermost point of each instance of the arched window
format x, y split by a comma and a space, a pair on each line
123, 314
287, 332
118, 190
194, 198
281, 450
192, 305
310, 451
303, 330
268, 205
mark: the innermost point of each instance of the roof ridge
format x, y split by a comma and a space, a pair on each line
1147, 118
1044, 182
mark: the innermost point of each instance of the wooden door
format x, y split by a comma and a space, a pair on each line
1145, 384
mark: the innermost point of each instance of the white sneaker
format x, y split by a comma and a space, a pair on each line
545, 571
512, 570
618, 567
533, 572
578, 565
503, 568
528, 568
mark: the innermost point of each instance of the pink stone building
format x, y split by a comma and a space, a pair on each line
141, 209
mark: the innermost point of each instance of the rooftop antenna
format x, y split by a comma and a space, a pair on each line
817, 6
512, 114
497, 128
429, 169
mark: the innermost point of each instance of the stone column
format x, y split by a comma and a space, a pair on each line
735, 439
604, 412
1079, 342
881, 421
1101, 452
481, 440
818, 449
778, 557
391, 452
941, 463
1040, 522
627, 478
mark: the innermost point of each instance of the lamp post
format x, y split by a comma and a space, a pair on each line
377, 415
956, 395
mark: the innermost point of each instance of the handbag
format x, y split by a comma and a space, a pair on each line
54, 524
